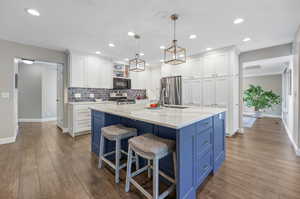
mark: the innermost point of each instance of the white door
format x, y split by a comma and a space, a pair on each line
208, 66
222, 91
209, 98
221, 63
60, 98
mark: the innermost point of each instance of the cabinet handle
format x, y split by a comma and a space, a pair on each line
206, 123
205, 142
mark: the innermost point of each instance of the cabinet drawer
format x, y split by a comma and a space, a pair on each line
204, 124
203, 141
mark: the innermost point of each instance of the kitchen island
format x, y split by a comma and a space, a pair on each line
199, 133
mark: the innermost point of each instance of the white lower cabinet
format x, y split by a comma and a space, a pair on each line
79, 119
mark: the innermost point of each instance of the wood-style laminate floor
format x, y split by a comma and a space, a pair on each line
44, 163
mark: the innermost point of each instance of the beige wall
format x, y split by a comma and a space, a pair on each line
269, 82
8, 52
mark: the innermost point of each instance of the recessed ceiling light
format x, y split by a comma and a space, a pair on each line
142, 54
33, 12
193, 36
126, 59
111, 45
238, 20
162, 47
246, 39
161, 60
208, 49
131, 34
98, 52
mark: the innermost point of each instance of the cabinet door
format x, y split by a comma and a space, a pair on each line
106, 74
221, 63
209, 92
219, 140
77, 70
186, 92
208, 66
222, 91
196, 92
94, 72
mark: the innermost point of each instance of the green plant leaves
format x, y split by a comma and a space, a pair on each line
260, 99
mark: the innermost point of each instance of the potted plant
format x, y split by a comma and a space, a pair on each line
257, 97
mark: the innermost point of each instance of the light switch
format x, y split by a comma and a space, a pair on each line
5, 95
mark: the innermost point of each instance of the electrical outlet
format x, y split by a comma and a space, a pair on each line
92, 95
77, 95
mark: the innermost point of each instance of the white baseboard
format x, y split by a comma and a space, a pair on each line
7, 140
297, 150
37, 119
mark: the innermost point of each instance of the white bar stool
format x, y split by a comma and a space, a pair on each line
152, 148
115, 133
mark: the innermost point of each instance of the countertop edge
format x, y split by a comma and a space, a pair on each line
158, 123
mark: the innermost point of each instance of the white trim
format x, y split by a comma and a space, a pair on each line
297, 150
262, 74
7, 140
37, 119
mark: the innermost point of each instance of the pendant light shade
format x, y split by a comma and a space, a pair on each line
175, 54
137, 64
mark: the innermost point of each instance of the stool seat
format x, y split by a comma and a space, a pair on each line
152, 146
115, 132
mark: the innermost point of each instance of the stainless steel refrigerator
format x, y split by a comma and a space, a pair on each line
171, 90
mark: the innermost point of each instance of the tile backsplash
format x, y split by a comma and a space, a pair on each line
101, 93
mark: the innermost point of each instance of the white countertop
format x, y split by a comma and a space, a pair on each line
88, 103
168, 117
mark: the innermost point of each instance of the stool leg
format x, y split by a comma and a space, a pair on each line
128, 174
155, 178
175, 166
101, 152
118, 150
149, 169
137, 162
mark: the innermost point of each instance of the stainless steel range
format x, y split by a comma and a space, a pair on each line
120, 98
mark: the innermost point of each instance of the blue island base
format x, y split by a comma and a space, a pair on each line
200, 147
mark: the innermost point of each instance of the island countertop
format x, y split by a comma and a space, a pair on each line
169, 117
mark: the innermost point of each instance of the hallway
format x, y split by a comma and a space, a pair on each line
44, 163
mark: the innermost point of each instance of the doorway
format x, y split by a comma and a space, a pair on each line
264, 79
38, 91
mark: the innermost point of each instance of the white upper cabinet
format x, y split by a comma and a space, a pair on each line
221, 64
216, 65
94, 72
77, 70
89, 71
208, 66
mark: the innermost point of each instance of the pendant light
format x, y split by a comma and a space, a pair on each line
175, 54
137, 64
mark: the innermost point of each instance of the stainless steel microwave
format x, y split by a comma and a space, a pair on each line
121, 83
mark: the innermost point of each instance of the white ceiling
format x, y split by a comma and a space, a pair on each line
89, 25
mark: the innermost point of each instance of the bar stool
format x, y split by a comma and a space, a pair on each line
152, 148
115, 133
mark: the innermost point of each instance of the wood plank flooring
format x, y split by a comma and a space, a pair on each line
44, 163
